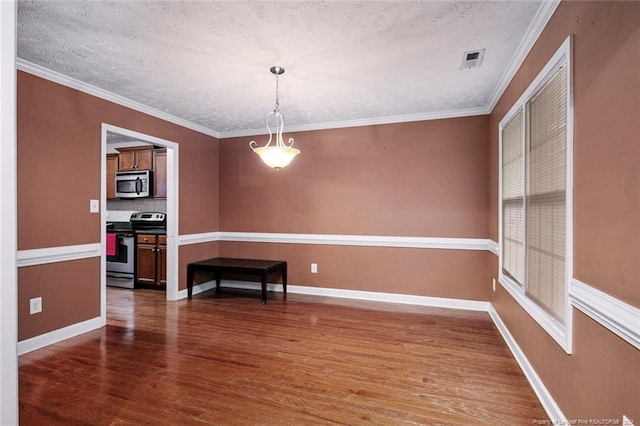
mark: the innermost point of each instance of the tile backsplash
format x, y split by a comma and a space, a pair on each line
139, 205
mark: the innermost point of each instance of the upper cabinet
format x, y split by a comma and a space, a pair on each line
160, 173
135, 159
112, 168
138, 159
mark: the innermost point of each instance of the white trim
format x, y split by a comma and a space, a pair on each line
172, 208
73, 83
494, 247
548, 403
407, 299
617, 316
205, 237
359, 240
200, 288
58, 335
43, 256
546, 10
341, 240
561, 333
8, 218
393, 119
64, 80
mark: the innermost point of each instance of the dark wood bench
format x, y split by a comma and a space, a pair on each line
222, 265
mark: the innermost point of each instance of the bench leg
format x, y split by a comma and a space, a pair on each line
284, 277
218, 277
189, 281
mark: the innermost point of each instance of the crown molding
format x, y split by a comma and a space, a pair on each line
547, 8
393, 119
535, 29
64, 80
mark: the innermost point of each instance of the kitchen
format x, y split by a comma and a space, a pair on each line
136, 219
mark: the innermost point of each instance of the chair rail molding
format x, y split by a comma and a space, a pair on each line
43, 256
343, 240
619, 317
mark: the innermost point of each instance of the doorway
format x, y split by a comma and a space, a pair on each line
116, 135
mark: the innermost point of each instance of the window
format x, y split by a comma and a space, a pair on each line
535, 198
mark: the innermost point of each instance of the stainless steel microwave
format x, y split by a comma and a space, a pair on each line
134, 184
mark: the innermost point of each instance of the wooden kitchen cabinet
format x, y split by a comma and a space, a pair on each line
160, 173
162, 260
112, 168
151, 261
135, 159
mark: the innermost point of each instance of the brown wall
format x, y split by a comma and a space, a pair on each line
414, 179
600, 379
70, 294
59, 147
454, 274
422, 179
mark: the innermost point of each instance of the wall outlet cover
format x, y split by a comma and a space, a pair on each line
35, 305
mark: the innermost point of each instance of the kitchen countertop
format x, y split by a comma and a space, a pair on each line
151, 231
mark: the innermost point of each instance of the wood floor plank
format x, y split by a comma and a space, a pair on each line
227, 359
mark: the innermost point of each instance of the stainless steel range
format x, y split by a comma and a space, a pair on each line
121, 259
149, 220
120, 254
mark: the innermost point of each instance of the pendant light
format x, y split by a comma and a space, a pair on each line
279, 155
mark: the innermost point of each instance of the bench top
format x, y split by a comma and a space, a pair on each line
239, 264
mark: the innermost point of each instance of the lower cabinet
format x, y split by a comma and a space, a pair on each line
151, 264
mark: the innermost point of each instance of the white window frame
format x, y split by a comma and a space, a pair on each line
562, 334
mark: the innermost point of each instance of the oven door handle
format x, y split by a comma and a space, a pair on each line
138, 185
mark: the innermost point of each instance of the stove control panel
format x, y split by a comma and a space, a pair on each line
148, 217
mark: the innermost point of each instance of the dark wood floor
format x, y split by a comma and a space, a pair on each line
228, 359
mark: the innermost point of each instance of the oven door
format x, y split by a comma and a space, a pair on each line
123, 261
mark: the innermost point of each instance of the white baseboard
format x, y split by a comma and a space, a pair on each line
438, 302
200, 288
59, 335
545, 398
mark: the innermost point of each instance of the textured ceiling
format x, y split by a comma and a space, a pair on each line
346, 62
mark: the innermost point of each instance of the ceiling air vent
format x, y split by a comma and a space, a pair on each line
472, 58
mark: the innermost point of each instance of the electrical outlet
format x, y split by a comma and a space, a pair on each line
314, 268
35, 305
494, 284
94, 206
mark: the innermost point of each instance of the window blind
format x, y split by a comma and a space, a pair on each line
546, 197
513, 189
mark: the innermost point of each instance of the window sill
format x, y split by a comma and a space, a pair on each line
558, 332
